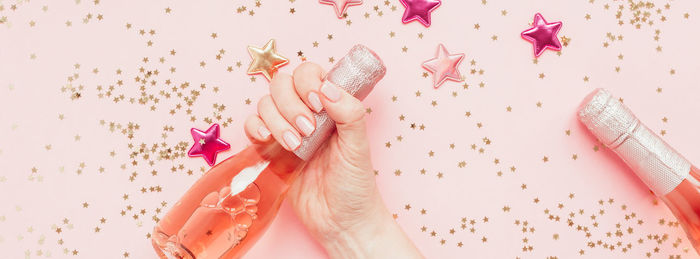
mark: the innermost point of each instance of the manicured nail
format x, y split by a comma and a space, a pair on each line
315, 102
304, 125
330, 91
291, 140
264, 132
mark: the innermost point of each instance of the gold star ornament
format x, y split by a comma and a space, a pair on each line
266, 61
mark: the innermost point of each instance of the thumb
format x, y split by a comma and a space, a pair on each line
348, 114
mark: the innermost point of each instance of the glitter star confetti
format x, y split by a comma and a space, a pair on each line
266, 61
207, 144
444, 66
419, 10
543, 35
341, 6
454, 142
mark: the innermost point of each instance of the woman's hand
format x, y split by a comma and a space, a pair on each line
336, 195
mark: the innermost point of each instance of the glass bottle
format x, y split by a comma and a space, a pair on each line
670, 176
226, 211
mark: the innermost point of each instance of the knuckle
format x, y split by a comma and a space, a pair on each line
307, 68
355, 113
280, 79
264, 101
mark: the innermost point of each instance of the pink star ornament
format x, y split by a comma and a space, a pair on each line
341, 5
543, 35
444, 66
207, 144
419, 10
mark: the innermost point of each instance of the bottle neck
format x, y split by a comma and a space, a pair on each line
654, 161
284, 163
325, 126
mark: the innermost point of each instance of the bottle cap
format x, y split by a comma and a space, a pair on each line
357, 73
607, 118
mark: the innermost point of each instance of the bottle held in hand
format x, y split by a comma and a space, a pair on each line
226, 211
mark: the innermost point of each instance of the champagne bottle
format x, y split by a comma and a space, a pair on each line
670, 176
227, 210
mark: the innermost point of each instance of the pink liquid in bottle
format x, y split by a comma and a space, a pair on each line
684, 202
210, 221
227, 210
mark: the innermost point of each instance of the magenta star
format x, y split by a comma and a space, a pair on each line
207, 144
543, 35
341, 5
444, 66
419, 10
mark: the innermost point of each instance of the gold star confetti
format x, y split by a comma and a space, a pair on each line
266, 61
446, 135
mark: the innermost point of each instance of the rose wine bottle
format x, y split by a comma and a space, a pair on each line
227, 210
670, 176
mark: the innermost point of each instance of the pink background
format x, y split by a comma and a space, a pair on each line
57, 169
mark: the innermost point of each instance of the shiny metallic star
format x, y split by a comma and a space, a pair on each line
419, 10
341, 5
543, 35
207, 144
444, 66
266, 61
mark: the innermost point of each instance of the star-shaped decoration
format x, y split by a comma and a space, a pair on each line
419, 10
444, 66
266, 61
543, 35
207, 144
341, 5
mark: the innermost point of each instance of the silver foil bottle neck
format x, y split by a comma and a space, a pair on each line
659, 166
357, 73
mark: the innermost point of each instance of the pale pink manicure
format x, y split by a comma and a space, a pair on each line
330, 91
291, 140
315, 102
264, 132
304, 125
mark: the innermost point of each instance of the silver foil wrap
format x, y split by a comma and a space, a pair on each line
357, 73
659, 166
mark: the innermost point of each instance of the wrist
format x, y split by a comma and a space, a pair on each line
376, 236
351, 241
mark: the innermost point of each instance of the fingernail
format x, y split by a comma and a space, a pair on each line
264, 132
304, 125
291, 140
330, 91
315, 102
